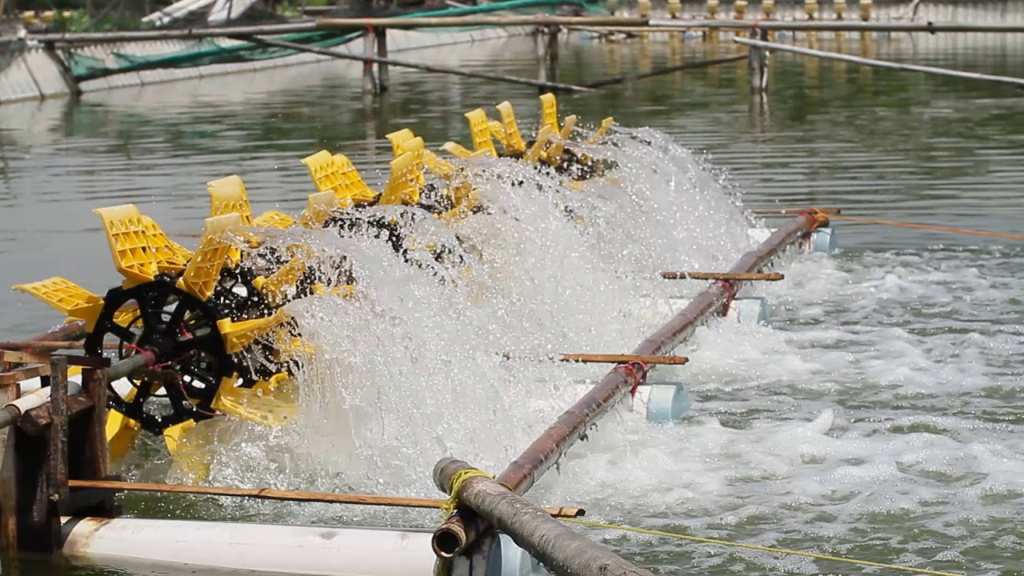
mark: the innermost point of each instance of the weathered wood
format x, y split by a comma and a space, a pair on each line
663, 70
880, 63
37, 421
561, 550
753, 276
96, 461
23, 373
8, 478
288, 495
58, 437
33, 502
419, 66
24, 357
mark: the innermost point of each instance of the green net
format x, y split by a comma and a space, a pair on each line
208, 51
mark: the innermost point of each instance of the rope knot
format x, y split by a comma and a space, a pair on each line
448, 508
730, 294
638, 371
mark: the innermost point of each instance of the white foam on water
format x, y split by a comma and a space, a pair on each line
874, 419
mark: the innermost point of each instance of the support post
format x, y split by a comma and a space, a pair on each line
383, 78
758, 63
552, 53
8, 477
58, 489
369, 83
559, 548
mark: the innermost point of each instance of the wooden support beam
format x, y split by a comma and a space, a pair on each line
287, 495
383, 77
37, 422
42, 346
8, 478
58, 433
747, 277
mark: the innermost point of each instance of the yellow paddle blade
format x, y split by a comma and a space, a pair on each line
606, 125
66, 297
273, 219
257, 404
277, 287
457, 150
549, 112
554, 154
128, 237
214, 251
536, 151
513, 142
228, 196
418, 148
397, 138
338, 174
319, 207
238, 335
122, 432
402, 186
190, 450
497, 131
480, 131
171, 257
175, 435
567, 127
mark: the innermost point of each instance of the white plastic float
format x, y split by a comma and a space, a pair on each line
161, 545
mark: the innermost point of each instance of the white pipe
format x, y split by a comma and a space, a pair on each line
269, 548
264, 548
39, 397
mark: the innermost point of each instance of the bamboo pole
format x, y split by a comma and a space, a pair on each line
559, 548
880, 63
769, 277
526, 469
419, 66
180, 34
472, 21
664, 70
288, 495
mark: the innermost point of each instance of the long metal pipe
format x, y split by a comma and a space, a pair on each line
525, 470
464, 21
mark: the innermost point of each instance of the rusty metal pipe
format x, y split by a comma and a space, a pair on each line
525, 470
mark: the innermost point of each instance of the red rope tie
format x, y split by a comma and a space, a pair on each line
730, 292
150, 357
638, 371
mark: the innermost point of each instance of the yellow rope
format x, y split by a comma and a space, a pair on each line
756, 547
448, 508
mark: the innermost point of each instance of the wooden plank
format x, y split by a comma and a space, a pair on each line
37, 421
25, 373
